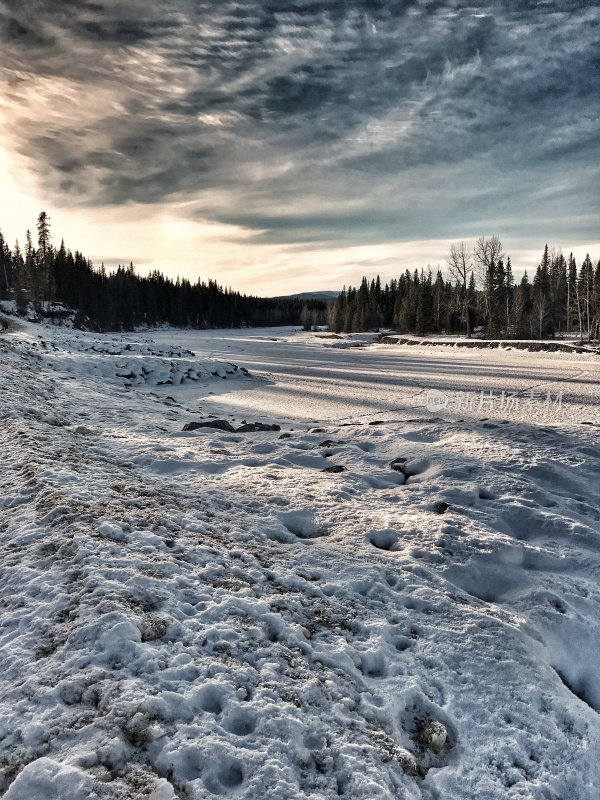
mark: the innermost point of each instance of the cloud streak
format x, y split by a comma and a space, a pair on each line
315, 123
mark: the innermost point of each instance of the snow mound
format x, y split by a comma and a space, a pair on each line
123, 362
45, 779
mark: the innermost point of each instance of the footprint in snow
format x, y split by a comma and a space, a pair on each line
303, 525
223, 775
384, 540
373, 665
240, 722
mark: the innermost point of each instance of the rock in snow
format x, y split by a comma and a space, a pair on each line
219, 424
251, 427
225, 425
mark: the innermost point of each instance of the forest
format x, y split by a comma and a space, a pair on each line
479, 293
52, 282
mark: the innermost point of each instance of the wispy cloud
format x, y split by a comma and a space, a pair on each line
319, 124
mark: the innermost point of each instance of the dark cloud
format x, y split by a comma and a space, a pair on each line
312, 121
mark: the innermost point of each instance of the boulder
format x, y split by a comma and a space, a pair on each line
399, 465
250, 427
219, 424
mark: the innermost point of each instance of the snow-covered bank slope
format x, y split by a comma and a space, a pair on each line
546, 346
204, 614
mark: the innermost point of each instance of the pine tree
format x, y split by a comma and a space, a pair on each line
31, 277
558, 290
541, 292
45, 278
5, 268
305, 318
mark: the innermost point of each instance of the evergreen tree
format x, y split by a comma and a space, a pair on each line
30, 277
541, 292
5, 269
44, 266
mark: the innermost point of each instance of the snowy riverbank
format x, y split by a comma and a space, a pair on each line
202, 614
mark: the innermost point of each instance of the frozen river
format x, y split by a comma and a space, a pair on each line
317, 378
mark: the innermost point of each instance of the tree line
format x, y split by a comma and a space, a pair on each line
480, 293
52, 281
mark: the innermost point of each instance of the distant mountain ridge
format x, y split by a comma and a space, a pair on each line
325, 296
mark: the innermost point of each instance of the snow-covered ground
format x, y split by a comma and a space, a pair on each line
200, 614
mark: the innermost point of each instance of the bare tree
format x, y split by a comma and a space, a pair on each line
541, 306
460, 264
487, 254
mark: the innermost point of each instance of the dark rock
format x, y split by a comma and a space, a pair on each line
442, 507
377, 422
285, 436
335, 468
219, 424
152, 628
250, 427
399, 465
327, 443
316, 430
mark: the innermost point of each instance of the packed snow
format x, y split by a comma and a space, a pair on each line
385, 597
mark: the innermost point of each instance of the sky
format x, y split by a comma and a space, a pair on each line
283, 146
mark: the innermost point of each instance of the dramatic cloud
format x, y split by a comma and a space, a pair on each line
313, 124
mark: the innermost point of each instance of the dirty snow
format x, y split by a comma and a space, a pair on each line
209, 614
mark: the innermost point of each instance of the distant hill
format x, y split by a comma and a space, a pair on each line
326, 297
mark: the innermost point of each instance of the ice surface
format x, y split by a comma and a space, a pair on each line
208, 614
